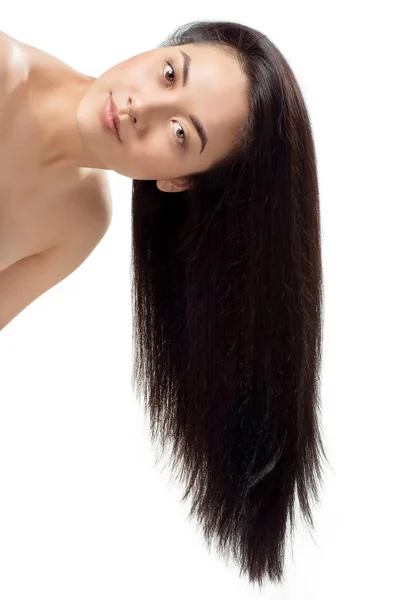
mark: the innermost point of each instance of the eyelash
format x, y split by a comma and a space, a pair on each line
184, 144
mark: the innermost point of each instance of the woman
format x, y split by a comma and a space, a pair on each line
226, 270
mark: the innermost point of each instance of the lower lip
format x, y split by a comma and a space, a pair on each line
108, 119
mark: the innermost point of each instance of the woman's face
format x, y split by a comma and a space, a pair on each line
155, 103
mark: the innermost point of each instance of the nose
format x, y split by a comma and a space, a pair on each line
130, 109
137, 112
142, 112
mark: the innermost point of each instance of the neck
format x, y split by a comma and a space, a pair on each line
55, 92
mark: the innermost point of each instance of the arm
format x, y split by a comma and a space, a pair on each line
30, 277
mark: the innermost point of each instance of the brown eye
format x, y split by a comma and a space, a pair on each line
182, 139
169, 65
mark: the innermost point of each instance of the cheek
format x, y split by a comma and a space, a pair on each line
153, 157
154, 147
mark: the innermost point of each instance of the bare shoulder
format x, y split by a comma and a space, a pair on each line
5, 49
5, 58
29, 278
12, 65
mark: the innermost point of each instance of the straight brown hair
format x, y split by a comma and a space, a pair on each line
226, 310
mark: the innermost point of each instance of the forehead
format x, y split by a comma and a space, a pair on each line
215, 91
210, 66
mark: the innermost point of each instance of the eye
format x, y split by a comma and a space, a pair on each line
183, 143
170, 65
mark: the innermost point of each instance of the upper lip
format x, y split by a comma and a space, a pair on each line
114, 109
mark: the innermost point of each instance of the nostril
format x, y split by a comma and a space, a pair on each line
129, 109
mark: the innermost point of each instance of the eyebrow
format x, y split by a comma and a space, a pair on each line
196, 123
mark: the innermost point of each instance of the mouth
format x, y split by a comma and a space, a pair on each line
114, 109
108, 119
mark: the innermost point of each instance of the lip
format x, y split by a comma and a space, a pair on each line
110, 120
114, 109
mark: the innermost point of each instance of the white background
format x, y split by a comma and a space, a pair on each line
84, 511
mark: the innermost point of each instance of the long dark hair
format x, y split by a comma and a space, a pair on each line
226, 308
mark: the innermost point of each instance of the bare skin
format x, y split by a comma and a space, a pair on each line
55, 150
37, 200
